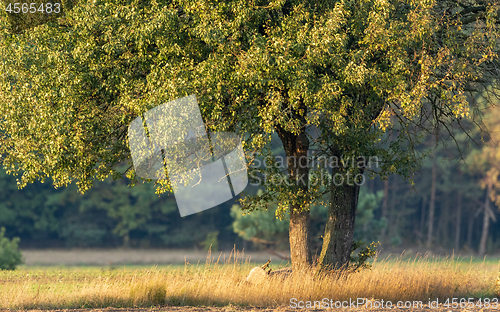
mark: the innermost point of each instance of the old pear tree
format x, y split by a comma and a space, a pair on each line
352, 70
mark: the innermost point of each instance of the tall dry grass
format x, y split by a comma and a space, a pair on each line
220, 283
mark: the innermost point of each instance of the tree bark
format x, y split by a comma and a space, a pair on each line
384, 207
296, 147
339, 229
469, 231
444, 220
299, 239
459, 221
391, 212
432, 205
126, 241
486, 221
422, 219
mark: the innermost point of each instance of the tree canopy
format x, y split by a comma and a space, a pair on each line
71, 86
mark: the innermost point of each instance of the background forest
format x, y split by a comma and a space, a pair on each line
446, 208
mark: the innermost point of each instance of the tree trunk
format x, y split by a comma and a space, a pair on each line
422, 219
432, 205
444, 219
391, 215
384, 207
459, 220
486, 221
126, 241
296, 147
469, 231
339, 229
299, 239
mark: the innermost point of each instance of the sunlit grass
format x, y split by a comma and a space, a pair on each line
219, 284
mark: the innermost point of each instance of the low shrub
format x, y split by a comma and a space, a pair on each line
10, 255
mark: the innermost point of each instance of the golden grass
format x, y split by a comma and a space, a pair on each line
219, 284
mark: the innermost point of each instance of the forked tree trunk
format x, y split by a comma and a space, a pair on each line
296, 147
339, 229
486, 222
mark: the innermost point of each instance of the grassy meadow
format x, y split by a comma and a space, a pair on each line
221, 283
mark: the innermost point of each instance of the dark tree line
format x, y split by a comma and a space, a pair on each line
443, 210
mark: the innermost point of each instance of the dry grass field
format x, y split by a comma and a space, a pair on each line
220, 284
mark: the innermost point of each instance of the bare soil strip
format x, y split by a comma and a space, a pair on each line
100, 257
257, 309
